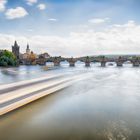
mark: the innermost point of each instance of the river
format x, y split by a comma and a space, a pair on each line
105, 106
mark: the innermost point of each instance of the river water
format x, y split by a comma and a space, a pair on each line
105, 106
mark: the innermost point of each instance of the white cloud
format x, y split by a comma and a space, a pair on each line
41, 6
52, 19
31, 2
18, 12
131, 23
120, 39
99, 20
2, 5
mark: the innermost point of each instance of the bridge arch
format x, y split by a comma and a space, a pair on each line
79, 63
64, 63
128, 63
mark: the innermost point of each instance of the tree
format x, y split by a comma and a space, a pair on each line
7, 58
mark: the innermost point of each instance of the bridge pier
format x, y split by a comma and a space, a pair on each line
41, 62
119, 62
103, 62
135, 62
72, 62
87, 62
56, 62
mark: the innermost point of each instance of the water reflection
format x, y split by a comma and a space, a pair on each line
103, 107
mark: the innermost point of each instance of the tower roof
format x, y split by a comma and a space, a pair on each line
15, 44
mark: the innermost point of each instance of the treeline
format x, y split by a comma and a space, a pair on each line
7, 58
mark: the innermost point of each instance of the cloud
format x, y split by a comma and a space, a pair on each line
2, 5
52, 19
31, 2
99, 20
130, 23
41, 6
120, 39
18, 12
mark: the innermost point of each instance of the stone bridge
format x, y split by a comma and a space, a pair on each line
88, 60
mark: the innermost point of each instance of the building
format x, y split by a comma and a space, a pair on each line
29, 54
29, 57
16, 50
44, 55
25, 56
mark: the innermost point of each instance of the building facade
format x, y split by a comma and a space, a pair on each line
29, 57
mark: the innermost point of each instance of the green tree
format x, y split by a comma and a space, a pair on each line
7, 58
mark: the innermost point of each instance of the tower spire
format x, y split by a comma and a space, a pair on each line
15, 44
27, 46
28, 49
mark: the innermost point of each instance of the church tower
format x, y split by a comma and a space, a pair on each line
15, 50
28, 49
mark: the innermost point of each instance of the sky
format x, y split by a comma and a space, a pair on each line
71, 27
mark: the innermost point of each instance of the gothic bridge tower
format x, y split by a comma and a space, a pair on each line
15, 50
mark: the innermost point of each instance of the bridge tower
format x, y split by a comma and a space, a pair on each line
119, 62
87, 61
15, 50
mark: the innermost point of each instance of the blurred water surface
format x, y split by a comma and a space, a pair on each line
105, 106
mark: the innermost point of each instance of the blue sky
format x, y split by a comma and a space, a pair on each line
78, 26
68, 13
